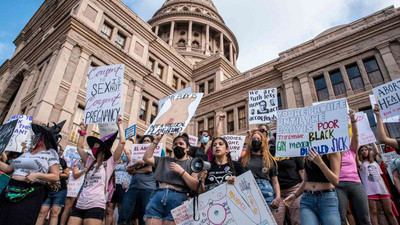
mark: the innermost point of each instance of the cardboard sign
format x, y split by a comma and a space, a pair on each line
130, 132
175, 114
104, 94
138, 151
235, 144
6, 131
241, 203
107, 129
394, 119
74, 186
365, 134
388, 98
193, 140
323, 126
22, 133
387, 158
263, 105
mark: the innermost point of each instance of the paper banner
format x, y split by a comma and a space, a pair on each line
388, 98
235, 144
138, 151
263, 105
130, 132
6, 131
394, 119
22, 133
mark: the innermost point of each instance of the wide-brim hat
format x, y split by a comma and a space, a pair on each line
106, 143
50, 133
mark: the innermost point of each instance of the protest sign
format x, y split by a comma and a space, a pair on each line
175, 114
241, 203
323, 126
263, 105
71, 155
394, 119
138, 151
187, 90
130, 132
387, 158
6, 131
235, 144
104, 94
22, 133
365, 134
388, 98
193, 140
74, 185
107, 129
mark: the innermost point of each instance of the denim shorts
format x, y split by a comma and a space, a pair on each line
56, 198
162, 202
267, 191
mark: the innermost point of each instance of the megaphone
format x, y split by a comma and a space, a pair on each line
197, 165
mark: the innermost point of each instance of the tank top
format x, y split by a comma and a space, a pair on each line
314, 173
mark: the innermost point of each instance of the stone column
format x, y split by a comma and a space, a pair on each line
329, 85
114, 34
364, 75
231, 52
206, 87
291, 100
157, 29
189, 45
170, 75
221, 43
235, 118
171, 33
207, 39
148, 115
136, 102
155, 68
217, 81
346, 80
234, 59
390, 62
305, 89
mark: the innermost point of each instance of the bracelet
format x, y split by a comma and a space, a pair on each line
354, 121
82, 133
182, 173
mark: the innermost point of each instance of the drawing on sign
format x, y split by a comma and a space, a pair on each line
388, 98
22, 133
263, 105
6, 131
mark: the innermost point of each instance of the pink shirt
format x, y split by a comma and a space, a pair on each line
93, 193
348, 171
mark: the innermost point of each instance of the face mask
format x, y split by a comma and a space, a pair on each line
124, 158
179, 152
204, 140
94, 150
256, 146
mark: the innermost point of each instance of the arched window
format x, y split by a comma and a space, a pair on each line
195, 44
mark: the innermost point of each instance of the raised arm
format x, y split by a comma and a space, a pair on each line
128, 155
148, 157
335, 160
382, 137
220, 129
118, 152
81, 142
354, 129
76, 173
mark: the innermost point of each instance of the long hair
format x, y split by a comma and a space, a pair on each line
228, 156
267, 157
370, 157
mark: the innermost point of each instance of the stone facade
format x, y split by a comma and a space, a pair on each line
186, 43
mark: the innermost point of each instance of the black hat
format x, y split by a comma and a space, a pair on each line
50, 133
106, 143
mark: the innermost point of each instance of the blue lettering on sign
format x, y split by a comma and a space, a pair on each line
339, 144
322, 149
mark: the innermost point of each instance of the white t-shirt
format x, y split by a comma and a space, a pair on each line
370, 174
37, 163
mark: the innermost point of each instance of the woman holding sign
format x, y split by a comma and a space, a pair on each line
174, 177
90, 208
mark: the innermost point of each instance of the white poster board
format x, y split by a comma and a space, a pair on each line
187, 90
323, 126
263, 106
138, 151
365, 134
107, 129
387, 158
22, 133
175, 114
74, 186
193, 140
104, 94
394, 119
388, 98
241, 203
235, 143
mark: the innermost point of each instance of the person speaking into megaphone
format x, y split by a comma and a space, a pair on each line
223, 168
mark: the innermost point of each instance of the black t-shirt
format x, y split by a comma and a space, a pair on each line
256, 166
288, 169
197, 152
63, 166
218, 174
272, 147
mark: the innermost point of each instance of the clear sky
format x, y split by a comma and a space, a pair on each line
264, 28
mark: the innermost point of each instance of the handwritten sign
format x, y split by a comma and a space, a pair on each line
74, 186
241, 203
22, 133
130, 132
387, 158
71, 155
394, 119
235, 144
6, 131
104, 94
193, 140
388, 98
323, 126
263, 105
138, 151
175, 114
365, 134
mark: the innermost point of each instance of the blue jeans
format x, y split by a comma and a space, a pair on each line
162, 202
316, 208
267, 190
134, 203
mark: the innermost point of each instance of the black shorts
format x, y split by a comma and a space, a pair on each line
118, 194
93, 213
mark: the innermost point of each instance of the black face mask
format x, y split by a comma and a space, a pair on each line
256, 146
179, 152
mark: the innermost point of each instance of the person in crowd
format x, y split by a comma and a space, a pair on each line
380, 131
395, 168
175, 181
223, 168
370, 174
77, 171
206, 139
140, 188
319, 202
260, 162
21, 200
90, 207
56, 199
266, 130
122, 179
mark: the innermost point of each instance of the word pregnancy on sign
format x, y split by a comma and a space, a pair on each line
175, 114
323, 126
263, 105
365, 134
394, 119
241, 203
130, 132
104, 94
193, 140
388, 98
22, 133
6, 131
235, 144
138, 151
